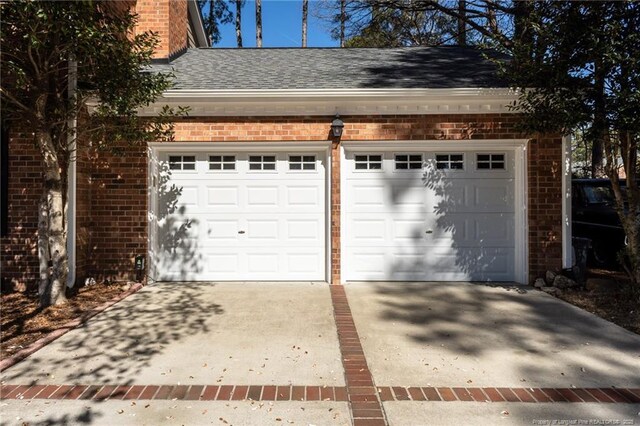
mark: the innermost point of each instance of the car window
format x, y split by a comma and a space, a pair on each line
599, 195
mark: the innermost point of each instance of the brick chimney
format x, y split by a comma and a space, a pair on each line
169, 19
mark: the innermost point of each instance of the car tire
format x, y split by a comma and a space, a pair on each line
603, 254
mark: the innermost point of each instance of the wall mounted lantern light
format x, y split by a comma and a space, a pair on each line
337, 126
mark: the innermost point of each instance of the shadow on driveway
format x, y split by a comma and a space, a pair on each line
463, 334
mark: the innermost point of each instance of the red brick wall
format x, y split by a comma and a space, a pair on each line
545, 204
112, 202
118, 227
19, 255
167, 18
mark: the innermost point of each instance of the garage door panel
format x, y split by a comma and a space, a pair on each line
304, 196
493, 195
243, 224
304, 229
366, 231
222, 231
441, 264
261, 229
464, 230
227, 196
368, 195
222, 263
444, 225
305, 263
262, 263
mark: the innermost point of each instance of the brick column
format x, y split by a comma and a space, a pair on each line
335, 212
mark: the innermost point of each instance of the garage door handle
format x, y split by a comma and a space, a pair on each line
240, 232
429, 231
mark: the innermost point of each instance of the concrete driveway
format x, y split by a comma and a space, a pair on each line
224, 333
310, 353
461, 334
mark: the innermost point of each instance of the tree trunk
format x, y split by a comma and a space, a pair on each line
343, 20
239, 22
462, 24
258, 23
492, 22
212, 21
600, 126
53, 293
305, 13
43, 245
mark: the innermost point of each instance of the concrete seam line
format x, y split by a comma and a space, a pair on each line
65, 328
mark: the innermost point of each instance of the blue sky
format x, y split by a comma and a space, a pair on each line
281, 26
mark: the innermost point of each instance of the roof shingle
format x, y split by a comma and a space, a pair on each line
335, 68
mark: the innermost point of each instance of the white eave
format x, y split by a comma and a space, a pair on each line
343, 101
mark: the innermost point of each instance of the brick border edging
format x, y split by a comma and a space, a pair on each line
364, 399
505, 394
319, 393
64, 329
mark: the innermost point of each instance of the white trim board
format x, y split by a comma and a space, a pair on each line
240, 146
567, 232
299, 102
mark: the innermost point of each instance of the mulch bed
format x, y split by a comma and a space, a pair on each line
22, 322
614, 305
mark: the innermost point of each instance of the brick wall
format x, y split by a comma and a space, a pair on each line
19, 257
167, 18
112, 199
545, 204
118, 224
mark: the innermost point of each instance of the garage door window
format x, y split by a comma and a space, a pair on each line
449, 161
302, 162
408, 161
262, 162
368, 162
222, 162
182, 162
490, 161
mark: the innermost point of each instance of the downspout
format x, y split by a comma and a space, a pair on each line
71, 177
567, 246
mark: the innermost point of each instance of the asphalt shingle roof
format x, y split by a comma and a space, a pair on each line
334, 68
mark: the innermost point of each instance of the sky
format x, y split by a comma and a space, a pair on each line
281, 26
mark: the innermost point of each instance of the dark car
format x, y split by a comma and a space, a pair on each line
594, 217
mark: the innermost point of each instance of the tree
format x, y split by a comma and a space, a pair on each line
394, 28
342, 20
422, 22
46, 46
239, 5
462, 23
214, 13
305, 13
258, 23
577, 66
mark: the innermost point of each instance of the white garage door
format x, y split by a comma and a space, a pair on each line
429, 216
241, 216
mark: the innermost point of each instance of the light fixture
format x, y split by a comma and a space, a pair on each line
337, 126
